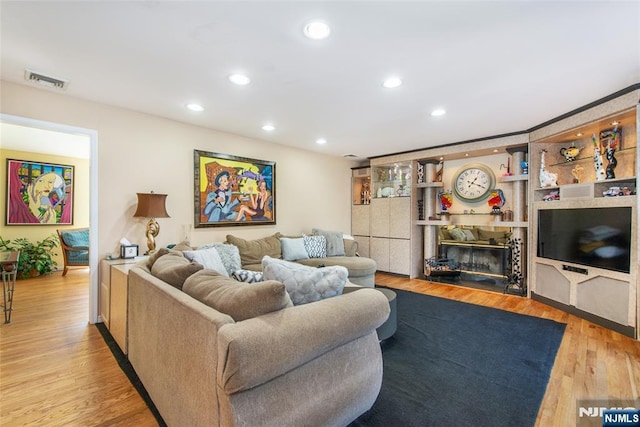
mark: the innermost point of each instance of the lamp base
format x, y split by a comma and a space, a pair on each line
153, 228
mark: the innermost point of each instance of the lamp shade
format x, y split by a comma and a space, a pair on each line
151, 205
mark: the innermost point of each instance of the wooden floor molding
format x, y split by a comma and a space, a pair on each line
55, 368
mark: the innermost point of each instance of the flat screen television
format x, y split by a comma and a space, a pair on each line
595, 237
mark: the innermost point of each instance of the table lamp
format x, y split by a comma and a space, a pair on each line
152, 206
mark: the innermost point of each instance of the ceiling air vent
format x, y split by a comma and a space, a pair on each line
45, 80
349, 156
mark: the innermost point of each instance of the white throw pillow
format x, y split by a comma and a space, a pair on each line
209, 258
293, 249
229, 254
305, 284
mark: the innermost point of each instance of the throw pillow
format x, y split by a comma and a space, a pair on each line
305, 284
468, 235
174, 269
457, 234
247, 276
209, 258
239, 300
160, 252
229, 255
293, 249
335, 244
316, 246
252, 251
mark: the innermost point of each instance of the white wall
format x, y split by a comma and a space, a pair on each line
139, 153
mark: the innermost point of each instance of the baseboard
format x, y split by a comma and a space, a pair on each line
601, 321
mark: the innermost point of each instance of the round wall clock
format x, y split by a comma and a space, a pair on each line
473, 182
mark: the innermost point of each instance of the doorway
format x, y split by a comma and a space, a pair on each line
77, 139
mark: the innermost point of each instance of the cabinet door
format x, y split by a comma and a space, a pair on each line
400, 256
379, 217
379, 252
360, 220
105, 288
400, 217
119, 299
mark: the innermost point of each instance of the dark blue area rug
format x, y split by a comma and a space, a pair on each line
457, 364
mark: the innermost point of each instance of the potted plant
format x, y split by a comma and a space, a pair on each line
35, 258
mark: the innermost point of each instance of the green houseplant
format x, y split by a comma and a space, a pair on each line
35, 258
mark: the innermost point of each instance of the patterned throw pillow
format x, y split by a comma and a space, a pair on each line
247, 276
316, 246
305, 284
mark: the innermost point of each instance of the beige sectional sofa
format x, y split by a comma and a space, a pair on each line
361, 270
313, 364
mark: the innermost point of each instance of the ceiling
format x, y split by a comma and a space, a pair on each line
495, 67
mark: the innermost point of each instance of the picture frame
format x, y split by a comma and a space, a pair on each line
233, 191
39, 193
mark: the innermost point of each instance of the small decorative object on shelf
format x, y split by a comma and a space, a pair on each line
507, 215
420, 210
514, 283
597, 159
547, 179
446, 201
577, 173
617, 191
507, 167
553, 195
366, 194
610, 139
438, 177
420, 173
496, 201
525, 168
570, 153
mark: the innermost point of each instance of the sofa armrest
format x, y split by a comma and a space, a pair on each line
257, 350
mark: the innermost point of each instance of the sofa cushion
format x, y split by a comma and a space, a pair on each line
76, 238
457, 234
316, 246
468, 235
305, 284
252, 251
356, 266
229, 255
157, 254
209, 258
293, 249
335, 244
239, 300
185, 245
247, 276
174, 269
500, 236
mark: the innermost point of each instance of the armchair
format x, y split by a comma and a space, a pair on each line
75, 247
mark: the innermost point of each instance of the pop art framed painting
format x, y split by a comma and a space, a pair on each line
230, 190
39, 193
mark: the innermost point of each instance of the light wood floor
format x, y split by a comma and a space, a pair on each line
55, 369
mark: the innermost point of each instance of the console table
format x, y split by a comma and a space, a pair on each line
9, 267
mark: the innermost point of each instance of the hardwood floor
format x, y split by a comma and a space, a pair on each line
55, 368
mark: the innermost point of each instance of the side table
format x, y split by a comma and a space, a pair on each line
9, 267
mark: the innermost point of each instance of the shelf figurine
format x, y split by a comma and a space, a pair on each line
446, 200
496, 201
577, 173
610, 140
570, 153
597, 159
547, 179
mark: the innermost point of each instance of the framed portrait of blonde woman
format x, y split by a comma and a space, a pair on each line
39, 193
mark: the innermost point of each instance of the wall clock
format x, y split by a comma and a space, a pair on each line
473, 182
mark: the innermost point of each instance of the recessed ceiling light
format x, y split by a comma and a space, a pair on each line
579, 134
616, 123
441, 158
438, 112
195, 107
392, 82
317, 30
466, 154
239, 79
268, 128
321, 141
495, 150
